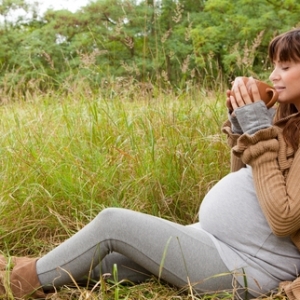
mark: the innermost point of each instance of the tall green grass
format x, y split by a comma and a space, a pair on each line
64, 159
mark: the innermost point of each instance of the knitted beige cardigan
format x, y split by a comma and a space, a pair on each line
276, 169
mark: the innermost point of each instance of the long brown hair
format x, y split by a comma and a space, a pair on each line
286, 47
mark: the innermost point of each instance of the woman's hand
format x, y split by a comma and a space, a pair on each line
252, 118
228, 101
243, 94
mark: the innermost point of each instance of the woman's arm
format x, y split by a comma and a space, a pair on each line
276, 176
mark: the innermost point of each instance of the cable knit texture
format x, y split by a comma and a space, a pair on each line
276, 168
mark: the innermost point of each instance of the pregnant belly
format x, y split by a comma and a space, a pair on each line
231, 212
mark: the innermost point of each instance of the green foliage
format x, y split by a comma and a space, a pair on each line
170, 44
236, 34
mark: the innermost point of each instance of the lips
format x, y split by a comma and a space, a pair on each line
279, 88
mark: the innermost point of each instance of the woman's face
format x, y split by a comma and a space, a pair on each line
286, 80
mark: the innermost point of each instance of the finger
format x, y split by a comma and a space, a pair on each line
238, 99
233, 103
229, 105
254, 89
228, 101
244, 96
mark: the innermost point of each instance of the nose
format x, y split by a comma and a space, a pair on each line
274, 75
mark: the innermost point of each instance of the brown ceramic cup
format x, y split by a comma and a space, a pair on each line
267, 93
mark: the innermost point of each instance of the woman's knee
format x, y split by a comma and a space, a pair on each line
110, 216
110, 212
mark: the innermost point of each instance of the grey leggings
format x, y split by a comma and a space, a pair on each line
140, 245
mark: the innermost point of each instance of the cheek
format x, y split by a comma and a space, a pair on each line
295, 85
292, 79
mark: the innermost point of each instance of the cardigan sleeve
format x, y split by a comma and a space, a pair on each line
276, 176
236, 162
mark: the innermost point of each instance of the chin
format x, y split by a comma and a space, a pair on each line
283, 101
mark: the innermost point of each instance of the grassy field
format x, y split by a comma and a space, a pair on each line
63, 159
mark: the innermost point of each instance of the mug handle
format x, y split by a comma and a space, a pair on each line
273, 95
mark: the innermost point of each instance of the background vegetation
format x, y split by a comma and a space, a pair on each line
166, 43
120, 104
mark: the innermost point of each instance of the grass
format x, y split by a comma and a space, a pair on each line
63, 159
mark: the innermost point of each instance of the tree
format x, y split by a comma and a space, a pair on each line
236, 35
171, 43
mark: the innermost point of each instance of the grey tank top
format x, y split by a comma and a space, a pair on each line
231, 213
